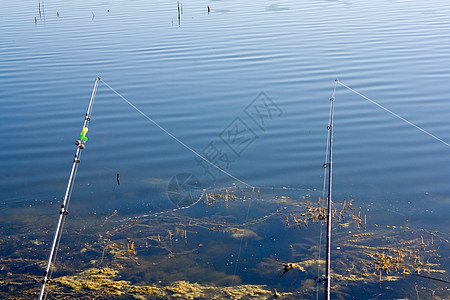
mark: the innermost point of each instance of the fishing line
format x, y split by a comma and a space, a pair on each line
170, 210
137, 220
174, 137
394, 114
240, 244
284, 188
203, 191
428, 277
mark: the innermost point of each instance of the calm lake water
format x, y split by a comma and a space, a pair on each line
205, 77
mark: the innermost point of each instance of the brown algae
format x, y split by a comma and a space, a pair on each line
103, 282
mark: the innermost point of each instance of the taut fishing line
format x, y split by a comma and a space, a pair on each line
394, 114
174, 137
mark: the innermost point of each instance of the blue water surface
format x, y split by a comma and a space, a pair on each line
199, 75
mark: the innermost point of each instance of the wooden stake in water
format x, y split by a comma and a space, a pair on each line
64, 206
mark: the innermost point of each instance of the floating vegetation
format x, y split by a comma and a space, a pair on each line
389, 256
103, 283
219, 248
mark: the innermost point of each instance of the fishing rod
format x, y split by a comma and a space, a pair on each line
329, 165
64, 206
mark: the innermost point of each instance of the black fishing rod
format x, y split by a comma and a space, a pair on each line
64, 206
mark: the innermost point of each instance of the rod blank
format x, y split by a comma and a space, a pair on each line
63, 211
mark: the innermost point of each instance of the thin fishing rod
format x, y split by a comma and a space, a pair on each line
64, 206
329, 165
